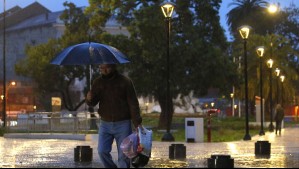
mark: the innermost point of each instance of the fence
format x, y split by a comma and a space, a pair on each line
53, 122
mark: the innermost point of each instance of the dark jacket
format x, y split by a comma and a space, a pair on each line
279, 114
117, 99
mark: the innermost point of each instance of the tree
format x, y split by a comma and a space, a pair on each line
282, 48
197, 49
288, 26
249, 12
57, 79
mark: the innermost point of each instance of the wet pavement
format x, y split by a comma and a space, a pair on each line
59, 153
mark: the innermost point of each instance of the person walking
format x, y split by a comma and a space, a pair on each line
278, 118
118, 110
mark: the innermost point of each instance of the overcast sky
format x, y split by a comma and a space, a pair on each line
57, 5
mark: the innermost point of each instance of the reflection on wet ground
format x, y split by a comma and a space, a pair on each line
57, 153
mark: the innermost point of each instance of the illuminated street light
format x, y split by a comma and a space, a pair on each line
277, 73
167, 9
233, 110
212, 104
270, 65
260, 52
4, 99
273, 8
282, 78
244, 32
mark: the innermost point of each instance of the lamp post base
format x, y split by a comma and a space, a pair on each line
247, 137
271, 127
262, 133
167, 137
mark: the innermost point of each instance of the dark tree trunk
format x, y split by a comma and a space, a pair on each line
165, 119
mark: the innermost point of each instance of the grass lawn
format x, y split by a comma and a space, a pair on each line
222, 129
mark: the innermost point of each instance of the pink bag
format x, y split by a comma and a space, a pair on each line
129, 145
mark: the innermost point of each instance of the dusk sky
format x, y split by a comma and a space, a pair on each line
57, 5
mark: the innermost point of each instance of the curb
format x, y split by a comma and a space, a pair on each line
46, 136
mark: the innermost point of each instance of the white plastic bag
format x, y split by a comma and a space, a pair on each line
129, 145
145, 141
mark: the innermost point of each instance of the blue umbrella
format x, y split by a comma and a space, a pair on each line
90, 53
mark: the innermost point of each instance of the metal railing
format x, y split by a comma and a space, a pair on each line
53, 122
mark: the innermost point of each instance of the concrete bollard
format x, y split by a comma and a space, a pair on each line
177, 151
262, 149
220, 161
83, 154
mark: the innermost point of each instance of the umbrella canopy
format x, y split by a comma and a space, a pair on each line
90, 53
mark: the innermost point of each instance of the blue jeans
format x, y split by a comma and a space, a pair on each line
108, 131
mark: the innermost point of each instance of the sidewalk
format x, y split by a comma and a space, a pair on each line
59, 153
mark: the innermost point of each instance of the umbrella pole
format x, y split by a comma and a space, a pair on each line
93, 123
90, 74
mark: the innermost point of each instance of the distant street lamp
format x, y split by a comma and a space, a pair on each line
244, 32
270, 64
277, 73
212, 104
4, 67
282, 78
167, 9
260, 52
4, 99
233, 110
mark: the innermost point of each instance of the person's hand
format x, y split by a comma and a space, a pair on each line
88, 96
139, 127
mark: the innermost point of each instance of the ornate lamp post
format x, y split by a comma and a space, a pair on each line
277, 73
260, 52
244, 32
167, 9
4, 67
282, 78
270, 64
233, 110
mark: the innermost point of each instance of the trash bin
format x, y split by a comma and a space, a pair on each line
220, 161
262, 149
194, 129
177, 151
83, 154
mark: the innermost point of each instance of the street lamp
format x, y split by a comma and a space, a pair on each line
272, 8
270, 64
260, 52
4, 100
282, 78
233, 110
4, 67
277, 73
167, 9
244, 32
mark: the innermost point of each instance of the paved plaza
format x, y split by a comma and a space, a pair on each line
59, 153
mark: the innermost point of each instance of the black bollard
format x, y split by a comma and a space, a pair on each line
83, 154
220, 161
262, 149
177, 151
